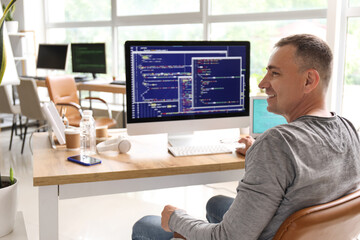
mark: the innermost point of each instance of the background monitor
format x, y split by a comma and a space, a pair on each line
88, 58
52, 56
260, 118
185, 86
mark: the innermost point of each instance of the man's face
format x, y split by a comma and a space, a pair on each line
283, 82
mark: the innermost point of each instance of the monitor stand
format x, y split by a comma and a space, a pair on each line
191, 139
183, 139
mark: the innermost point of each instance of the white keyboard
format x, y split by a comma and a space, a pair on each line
199, 150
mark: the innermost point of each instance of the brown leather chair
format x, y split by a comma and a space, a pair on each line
63, 92
336, 220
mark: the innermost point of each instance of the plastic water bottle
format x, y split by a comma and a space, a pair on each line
87, 134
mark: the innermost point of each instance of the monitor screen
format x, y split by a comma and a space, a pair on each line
88, 57
52, 56
168, 81
261, 118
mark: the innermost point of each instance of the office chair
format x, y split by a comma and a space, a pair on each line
335, 220
6, 106
63, 92
30, 104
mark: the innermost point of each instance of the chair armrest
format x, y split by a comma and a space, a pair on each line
103, 101
70, 104
178, 236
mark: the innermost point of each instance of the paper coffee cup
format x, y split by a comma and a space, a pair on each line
72, 138
102, 132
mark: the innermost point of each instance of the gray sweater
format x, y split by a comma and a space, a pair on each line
310, 161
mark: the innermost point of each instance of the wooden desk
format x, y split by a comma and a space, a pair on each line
40, 83
148, 165
102, 87
97, 86
93, 86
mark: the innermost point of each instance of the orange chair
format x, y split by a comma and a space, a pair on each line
335, 220
63, 92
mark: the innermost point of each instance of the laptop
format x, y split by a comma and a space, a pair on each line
260, 119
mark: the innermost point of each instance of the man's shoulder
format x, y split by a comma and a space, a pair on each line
280, 131
283, 135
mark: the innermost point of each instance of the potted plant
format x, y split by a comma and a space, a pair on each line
8, 203
11, 25
8, 185
2, 46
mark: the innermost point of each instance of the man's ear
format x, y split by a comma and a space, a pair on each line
312, 80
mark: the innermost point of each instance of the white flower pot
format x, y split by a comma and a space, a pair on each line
12, 26
8, 207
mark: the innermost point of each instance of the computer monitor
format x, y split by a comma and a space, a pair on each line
260, 118
88, 58
52, 56
178, 87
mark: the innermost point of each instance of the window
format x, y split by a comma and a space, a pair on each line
160, 32
263, 36
354, 3
146, 7
352, 73
79, 10
259, 21
83, 35
219, 7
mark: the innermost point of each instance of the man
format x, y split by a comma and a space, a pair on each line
311, 160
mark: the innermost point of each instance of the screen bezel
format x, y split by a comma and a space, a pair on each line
43, 63
76, 68
129, 44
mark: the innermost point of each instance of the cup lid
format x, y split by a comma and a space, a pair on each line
71, 131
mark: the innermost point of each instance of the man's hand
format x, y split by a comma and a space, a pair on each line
248, 141
165, 217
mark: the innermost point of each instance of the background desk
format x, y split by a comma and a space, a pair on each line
148, 165
97, 86
102, 87
93, 86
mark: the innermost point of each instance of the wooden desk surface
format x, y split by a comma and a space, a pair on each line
93, 86
102, 87
40, 83
148, 157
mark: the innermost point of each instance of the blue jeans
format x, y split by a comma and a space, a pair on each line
149, 227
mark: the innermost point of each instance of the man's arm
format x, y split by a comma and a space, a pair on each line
259, 195
165, 217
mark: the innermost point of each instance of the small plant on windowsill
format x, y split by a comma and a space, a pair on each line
11, 24
10, 15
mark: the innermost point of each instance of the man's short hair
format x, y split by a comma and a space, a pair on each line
312, 53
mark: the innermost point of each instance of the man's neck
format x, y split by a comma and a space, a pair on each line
310, 106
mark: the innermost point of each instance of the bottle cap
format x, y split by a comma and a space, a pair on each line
87, 112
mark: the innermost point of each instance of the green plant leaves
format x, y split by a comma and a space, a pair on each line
2, 45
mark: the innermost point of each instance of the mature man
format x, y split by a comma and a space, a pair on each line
313, 159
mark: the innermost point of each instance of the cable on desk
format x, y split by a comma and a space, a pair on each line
43, 126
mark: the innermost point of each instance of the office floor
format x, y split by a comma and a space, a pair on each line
102, 217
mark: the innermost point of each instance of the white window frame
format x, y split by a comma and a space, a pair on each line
336, 15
